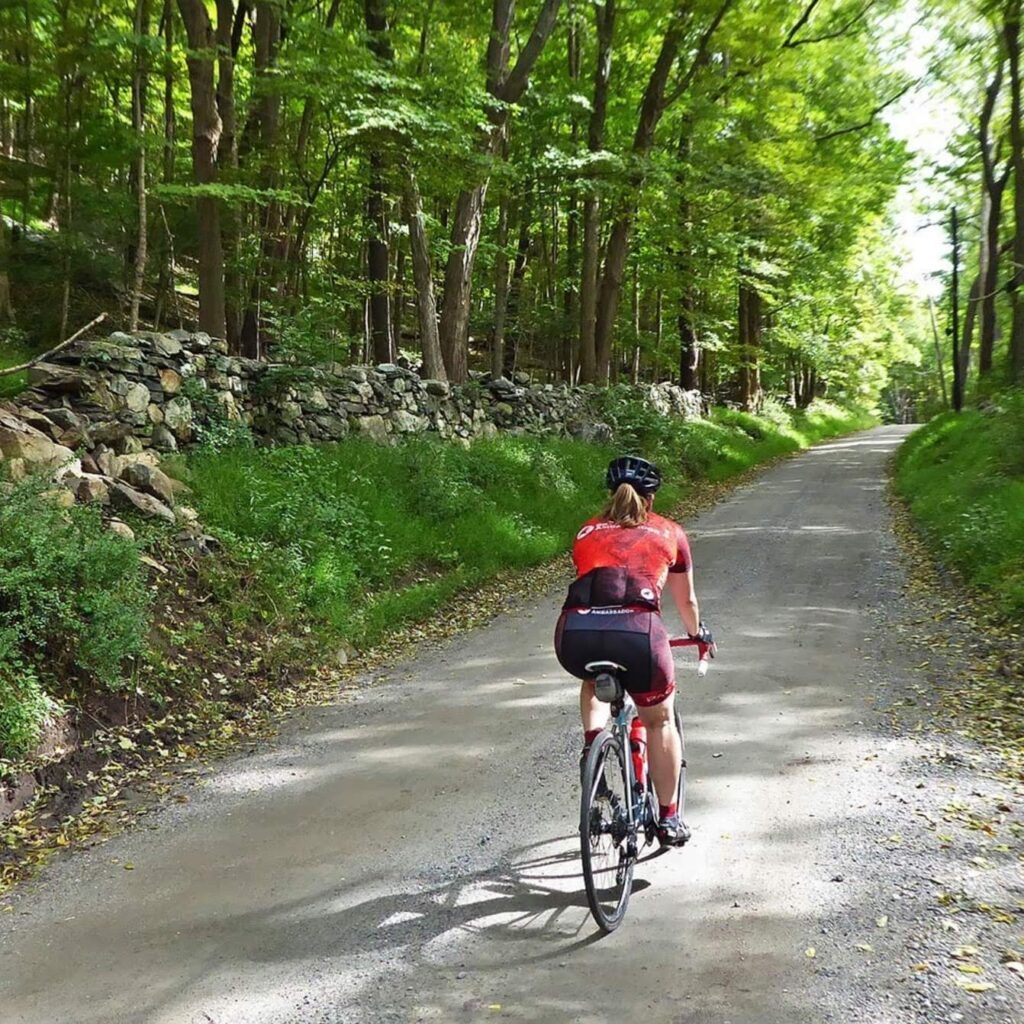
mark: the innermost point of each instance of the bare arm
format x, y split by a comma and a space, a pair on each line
680, 586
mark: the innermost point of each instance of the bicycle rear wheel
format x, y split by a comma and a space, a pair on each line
607, 840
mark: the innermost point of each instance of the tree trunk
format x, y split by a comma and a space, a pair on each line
227, 164
591, 259
378, 260
651, 109
398, 303
139, 77
507, 87
500, 291
1011, 35
6, 304
956, 360
516, 287
206, 131
991, 212
426, 307
749, 324
689, 349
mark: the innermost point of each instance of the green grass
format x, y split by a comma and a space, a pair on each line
962, 477
362, 537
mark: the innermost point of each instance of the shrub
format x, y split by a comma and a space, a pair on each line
73, 602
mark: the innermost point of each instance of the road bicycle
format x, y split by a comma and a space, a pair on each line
619, 808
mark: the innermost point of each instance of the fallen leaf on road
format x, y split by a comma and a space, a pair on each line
970, 969
810, 952
865, 947
921, 967
976, 986
883, 921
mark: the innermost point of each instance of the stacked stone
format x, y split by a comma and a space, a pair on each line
121, 401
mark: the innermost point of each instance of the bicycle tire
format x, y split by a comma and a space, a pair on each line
605, 833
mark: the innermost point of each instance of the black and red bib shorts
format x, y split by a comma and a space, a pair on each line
628, 631
632, 637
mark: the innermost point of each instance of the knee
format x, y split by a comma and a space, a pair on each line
657, 717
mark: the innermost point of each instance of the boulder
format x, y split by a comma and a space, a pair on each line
333, 426
290, 413
92, 488
170, 381
374, 427
179, 417
584, 430
136, 397
20, 441
126, 497
148, 479
73, 429
438, 388
43, 423
122, 529
164, 439
154, 413
406, 423
61, 497
166, 345
50, 377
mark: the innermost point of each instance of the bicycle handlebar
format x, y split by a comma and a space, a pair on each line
703, 652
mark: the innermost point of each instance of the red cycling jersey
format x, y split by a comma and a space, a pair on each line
651, 550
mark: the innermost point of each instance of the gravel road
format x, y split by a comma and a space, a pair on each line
409, 854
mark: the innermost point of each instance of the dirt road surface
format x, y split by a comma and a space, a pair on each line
410, 854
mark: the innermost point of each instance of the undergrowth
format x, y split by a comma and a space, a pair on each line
362, 537
962, 477
73, 609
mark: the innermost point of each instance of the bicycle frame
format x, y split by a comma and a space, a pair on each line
622, 712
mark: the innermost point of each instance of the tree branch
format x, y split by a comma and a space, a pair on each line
872, 117
700, 58
53, 351
801, 21
792, 44
514, 86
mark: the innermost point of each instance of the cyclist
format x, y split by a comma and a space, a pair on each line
624, 557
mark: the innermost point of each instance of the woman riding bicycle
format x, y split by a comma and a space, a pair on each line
623, 559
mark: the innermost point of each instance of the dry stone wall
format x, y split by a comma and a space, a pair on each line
101, 413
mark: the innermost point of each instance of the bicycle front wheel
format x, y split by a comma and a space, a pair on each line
681, 792
607, 838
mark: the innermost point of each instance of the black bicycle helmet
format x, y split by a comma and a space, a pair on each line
644, 476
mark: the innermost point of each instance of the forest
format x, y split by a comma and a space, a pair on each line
590, 191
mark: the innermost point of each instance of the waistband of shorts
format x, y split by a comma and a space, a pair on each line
623, 609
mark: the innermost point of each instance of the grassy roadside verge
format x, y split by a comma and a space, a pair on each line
962, 478
958, 482
360, 538
317, 557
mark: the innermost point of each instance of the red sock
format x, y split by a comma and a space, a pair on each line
590, 735
667, 810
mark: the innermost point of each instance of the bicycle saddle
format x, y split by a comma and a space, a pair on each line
607, 686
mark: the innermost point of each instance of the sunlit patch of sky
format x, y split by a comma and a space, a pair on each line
924, 119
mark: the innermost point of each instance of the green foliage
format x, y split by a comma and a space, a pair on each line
963, 480
25, 709
214, 430
362, 536
73, 605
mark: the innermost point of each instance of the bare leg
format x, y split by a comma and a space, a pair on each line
664, 749
592, 711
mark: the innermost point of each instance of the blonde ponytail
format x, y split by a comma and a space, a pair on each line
627, 507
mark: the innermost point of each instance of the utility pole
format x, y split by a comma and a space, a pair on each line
958, 379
